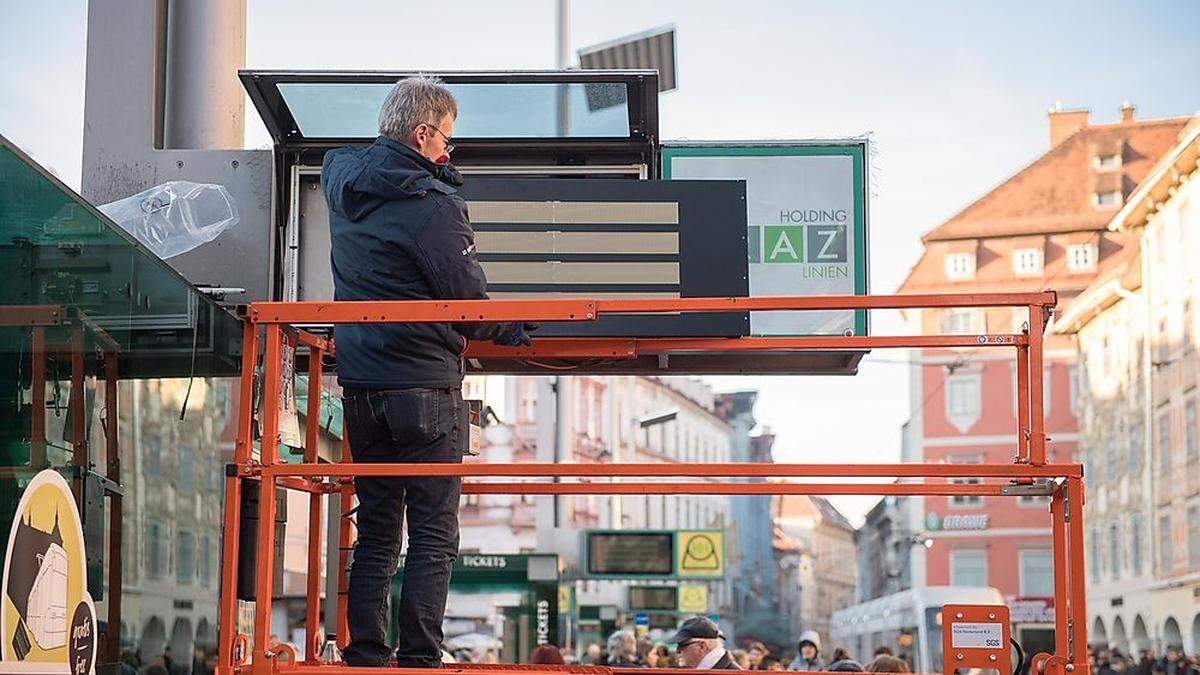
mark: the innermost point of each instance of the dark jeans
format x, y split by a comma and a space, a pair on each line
402, 425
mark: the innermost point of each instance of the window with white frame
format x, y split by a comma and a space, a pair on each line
1114, 550
1164, 442
156, 553
968, 568
1027, 261
185, 558
962, 321
964, 402
1189, 430
1193, 536
1137, 450
1036, 573
1106, 200
1165, 554
1135, 544
1106, 162
966, 501
960, 265
1081, 258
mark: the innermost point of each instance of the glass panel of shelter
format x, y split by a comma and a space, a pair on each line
487, 110
100, 298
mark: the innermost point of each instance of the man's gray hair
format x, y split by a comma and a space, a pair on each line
414, 101
621, 643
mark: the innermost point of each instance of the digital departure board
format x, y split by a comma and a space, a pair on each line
624, 553
654, 597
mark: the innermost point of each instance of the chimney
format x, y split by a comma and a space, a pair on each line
1127, 111
1063, 123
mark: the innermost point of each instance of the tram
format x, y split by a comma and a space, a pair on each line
909, 623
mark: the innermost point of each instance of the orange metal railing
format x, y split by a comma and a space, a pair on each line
1028, 474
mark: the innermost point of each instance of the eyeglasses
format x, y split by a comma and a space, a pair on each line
687, 643
449, 141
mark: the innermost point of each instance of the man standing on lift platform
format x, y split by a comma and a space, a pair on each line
399, 231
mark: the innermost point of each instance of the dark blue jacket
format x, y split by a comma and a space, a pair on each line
399, 232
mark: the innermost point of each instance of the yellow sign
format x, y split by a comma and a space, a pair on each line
693, 599
564, 598
700, 553
47, 618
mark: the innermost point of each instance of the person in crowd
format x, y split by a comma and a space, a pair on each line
665, 658
886, 663
809, 652
129, 662
1174, 662
700, 644
155, 669
198, 654
546, 654
591, 655
647, 654
622, 650
741, 658
755, 652
840, 654
846, 666
883, 650
771, 663
1145, 665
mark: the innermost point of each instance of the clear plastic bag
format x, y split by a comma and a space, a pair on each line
175, 217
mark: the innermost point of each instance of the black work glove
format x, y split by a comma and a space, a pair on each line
518, 336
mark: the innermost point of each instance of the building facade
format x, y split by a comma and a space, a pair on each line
1136, 331
603, 419
1043, 228
815, 552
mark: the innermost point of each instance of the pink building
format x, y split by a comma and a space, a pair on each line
1043, 228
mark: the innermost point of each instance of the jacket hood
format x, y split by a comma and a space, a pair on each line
358, 180
812, 637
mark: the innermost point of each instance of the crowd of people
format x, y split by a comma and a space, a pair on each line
1106, 661
697, 644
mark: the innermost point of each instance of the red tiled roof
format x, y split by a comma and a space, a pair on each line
1047, 205
1054, 192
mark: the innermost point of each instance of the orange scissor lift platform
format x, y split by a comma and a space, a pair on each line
265, 325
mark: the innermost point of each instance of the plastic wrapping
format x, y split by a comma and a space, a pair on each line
175, 217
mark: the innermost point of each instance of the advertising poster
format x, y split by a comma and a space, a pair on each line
807, 223
47, 618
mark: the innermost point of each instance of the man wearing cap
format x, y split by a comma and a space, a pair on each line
699, 644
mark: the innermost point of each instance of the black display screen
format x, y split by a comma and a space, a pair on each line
616, 553
653, 597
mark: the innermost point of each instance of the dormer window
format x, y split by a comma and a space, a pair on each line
1106, 200
1106, 162
1027, 261
1081, 258
960, 265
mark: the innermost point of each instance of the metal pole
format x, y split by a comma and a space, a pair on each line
206, 45
562, 48
227, 593
265, 564
115, 508
312, 423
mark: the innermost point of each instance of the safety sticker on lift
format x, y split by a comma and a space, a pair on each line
975, 636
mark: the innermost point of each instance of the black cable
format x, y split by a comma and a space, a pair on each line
1020, 668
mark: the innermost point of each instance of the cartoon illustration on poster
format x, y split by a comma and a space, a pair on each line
47, 617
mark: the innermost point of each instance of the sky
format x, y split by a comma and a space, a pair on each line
953, 95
